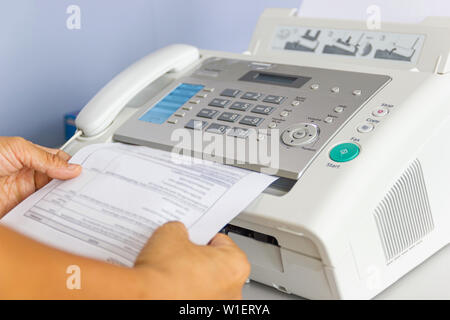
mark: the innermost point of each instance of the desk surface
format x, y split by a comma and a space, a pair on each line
430, 280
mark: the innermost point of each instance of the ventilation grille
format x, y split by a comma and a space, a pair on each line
404, 216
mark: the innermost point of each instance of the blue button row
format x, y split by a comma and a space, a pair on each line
165, 108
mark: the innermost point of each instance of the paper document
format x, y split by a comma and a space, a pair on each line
407, 11
125, 192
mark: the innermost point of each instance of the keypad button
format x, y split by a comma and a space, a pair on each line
274, 99
232, 93
238, 132
300, 134
263, 109
218, 128
251, 121
196, 124
344, 152
241, 106
207, 113
220, 103
251, 96
380, 112
339, 109
366, 127
229, 116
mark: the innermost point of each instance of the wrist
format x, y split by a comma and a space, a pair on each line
148, 283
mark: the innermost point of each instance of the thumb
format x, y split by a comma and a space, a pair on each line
221, 240
31, 156
171, 232
167, 238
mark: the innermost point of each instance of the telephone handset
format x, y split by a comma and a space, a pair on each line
101, 111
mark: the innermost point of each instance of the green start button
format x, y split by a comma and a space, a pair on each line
344, 152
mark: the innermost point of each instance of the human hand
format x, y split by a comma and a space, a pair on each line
188, 271
26, 167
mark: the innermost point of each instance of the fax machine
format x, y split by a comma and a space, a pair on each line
360, 119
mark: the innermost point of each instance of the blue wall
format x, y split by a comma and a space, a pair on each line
47, 70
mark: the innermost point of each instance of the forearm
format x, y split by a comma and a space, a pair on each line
30, 270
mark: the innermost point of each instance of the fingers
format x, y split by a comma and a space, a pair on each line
40, 180
170, 232
221, 240
49, 150
63, 155
216, 271
54, 165
167, 239
239, 266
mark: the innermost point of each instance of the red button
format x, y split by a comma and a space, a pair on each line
381, 112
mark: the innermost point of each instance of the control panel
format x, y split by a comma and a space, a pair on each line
296, 110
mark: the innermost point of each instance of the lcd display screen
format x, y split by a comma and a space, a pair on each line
275, 79
272, 78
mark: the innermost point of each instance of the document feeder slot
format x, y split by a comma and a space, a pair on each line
250, 234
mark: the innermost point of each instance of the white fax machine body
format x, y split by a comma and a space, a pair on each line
363, 127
